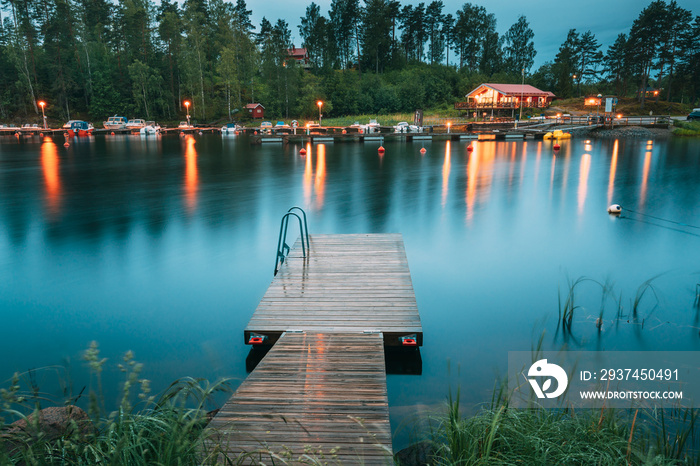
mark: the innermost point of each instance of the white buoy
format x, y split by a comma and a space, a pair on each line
615, 209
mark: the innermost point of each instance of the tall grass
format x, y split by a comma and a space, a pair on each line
500, 435
143, 430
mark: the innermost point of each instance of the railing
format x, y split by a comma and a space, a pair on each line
282, 246
496, 105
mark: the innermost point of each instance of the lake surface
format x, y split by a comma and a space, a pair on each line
164, 246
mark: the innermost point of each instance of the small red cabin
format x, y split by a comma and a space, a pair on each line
256, 110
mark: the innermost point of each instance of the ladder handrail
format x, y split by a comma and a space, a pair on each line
282, 241
306, 226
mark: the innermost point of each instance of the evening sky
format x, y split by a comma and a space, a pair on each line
549, 19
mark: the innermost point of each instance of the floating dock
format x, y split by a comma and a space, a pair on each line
321, 389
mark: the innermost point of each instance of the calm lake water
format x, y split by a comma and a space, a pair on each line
165, 246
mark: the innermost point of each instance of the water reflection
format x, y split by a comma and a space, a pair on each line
320, 182
445, 173
52, 180
472, 170
583, 181
308, 175
645, 178
191, 175
613, 169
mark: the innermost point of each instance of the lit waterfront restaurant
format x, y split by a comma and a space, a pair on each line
505, 96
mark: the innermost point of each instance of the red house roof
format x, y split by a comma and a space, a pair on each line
255, 105
298, 53
512, 90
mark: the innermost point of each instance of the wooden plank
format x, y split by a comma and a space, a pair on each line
317, 394
356, 281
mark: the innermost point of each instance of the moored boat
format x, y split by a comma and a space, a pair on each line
151, 128
80, 128
230, 129
115, 122
135, 125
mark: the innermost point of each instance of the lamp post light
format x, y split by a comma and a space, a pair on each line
320, 104
448, 127
42, 104
187, 106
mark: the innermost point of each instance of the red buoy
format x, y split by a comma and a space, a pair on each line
557, 147
65, 144
345, 132
182, 133
41, 134
469, 148
423, 151
302, 151
381, 149
112, 133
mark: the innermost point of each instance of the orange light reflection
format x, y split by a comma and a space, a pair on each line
445, 173
645, 178
583, 181
613, 169
320, 182
52, 180
191, 175
308, 175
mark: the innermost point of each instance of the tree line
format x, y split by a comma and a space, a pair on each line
95, 58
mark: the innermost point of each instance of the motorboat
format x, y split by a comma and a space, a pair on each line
230, 129
151, 128
115, 122
404, 127
136, 124
80, 128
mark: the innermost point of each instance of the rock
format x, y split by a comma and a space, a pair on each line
418, 454
54, 423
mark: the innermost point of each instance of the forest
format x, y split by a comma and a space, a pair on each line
96, 58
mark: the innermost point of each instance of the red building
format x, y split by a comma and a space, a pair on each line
496, 96
256, 110
301, 56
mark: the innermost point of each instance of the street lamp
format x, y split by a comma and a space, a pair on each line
320, 104
42, 104
187, 106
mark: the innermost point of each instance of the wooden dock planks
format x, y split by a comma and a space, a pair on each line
323, 394
347, 283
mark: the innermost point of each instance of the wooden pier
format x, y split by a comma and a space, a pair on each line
321, 389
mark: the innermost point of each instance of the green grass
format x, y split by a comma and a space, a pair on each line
500, 435
686, 128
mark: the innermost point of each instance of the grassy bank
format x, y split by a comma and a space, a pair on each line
686, 128
172, 429
499, 435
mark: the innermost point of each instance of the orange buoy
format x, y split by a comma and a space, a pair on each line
182, 133
65, 144
557, 147
345, 132
255, 133
41, 134
302, 151
112, 133
381, 149
423, 151
361, 131
469, 148
200, 133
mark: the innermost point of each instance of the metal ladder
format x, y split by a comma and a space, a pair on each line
282, 246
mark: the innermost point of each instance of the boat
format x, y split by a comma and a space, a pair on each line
69, 124
136, 124
115, 122
151, 128
373, 126
80, 128
230, 129
184, 125
558, 134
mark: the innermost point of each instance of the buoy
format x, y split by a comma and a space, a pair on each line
200, 133
361, 131
302, 151
236, 133
41, 134
182, 133
381, 149
112, 133
469, 148
345, 132
423, 151
255, 133
615, 209
557, 147
65, 144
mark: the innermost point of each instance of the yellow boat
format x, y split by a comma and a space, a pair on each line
558, 134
